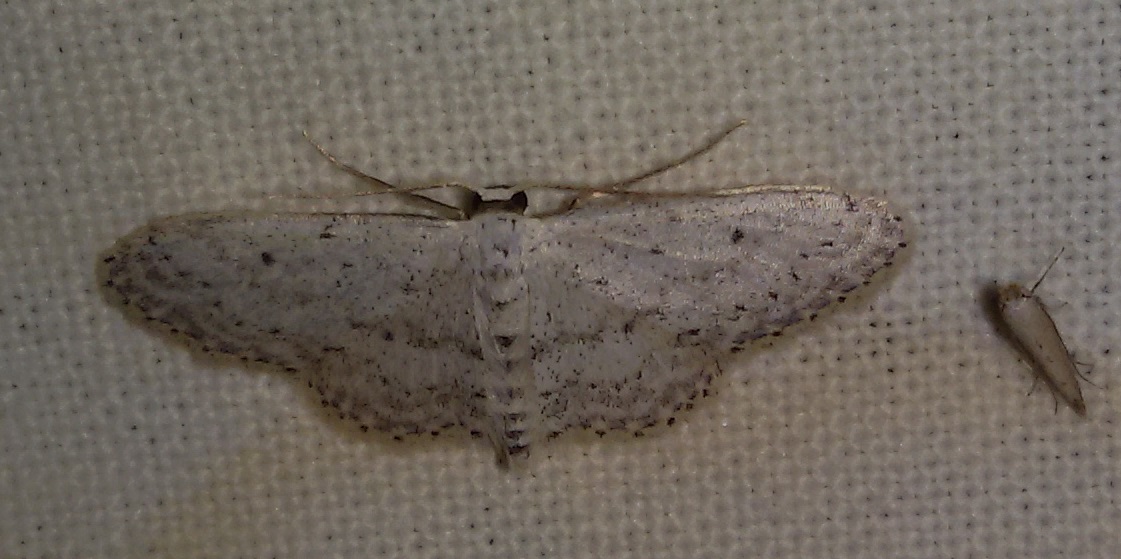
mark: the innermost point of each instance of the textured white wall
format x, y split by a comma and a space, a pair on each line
896, 426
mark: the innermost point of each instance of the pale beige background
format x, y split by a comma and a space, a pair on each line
896, 426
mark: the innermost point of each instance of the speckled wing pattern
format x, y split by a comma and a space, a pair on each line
639, 295
373, 309
612, 315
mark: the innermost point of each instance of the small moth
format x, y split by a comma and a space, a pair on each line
1032, 330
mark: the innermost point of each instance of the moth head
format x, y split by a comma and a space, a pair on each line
1011, 292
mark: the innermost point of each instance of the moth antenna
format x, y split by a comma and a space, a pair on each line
380, 184
615, 187
1044, 274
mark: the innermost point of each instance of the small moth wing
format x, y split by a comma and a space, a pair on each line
1029, 326
665, 285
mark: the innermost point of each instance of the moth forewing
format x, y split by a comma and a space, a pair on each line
1033, 331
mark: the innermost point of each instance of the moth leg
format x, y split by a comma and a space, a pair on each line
1054, 397
1081, 375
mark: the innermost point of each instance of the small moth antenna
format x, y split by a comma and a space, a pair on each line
1049, 266
380, 184
675, 163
